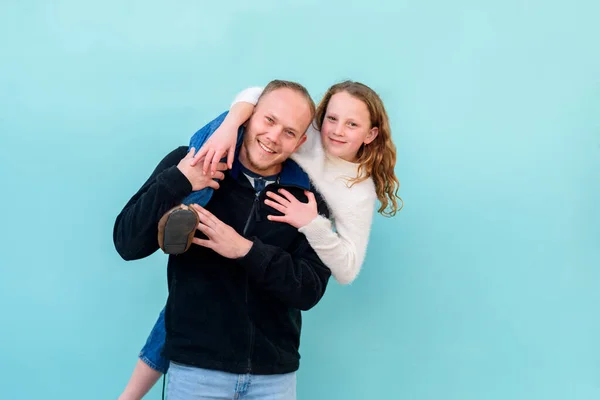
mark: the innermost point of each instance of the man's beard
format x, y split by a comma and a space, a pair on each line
252, 164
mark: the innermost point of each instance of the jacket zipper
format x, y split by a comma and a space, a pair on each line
253, 212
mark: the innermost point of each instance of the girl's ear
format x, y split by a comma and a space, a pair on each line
373, 132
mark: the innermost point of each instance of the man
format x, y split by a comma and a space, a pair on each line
233, 313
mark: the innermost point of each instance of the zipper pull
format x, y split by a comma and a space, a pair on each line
257, 217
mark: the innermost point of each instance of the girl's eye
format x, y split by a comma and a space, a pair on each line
330, 118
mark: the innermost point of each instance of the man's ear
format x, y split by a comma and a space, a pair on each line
300, 142
373, 132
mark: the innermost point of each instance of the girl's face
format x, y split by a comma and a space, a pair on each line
346, 126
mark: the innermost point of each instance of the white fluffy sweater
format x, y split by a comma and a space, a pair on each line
343, 247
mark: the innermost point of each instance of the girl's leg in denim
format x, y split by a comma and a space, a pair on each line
150, 365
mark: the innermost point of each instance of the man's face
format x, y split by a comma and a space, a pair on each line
275, 130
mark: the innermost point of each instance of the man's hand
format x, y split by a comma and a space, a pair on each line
222, 238
194, 174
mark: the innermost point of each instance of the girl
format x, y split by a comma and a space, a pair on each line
350, 158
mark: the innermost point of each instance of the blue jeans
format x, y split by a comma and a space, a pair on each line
151, 352
191, 383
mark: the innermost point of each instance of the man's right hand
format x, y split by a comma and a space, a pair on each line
196, 176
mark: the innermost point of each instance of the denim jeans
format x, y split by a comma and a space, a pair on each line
191, 383
151, 352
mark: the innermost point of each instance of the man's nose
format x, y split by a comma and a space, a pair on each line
274, 134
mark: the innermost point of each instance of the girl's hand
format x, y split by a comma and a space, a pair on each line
294, 212
221, 143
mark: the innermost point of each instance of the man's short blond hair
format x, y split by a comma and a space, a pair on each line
281, 84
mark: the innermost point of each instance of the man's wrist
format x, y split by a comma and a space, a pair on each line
184, 172
244, 247
176, 182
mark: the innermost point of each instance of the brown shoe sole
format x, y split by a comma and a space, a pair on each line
176, 229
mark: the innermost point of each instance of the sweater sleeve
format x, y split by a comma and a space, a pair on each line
249, 95
343, 251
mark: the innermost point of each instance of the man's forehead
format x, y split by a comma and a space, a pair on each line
277, 95
288, 108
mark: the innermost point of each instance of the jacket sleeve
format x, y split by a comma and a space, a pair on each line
135, 233
297, 277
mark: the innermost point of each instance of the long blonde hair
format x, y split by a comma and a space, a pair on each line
378, 158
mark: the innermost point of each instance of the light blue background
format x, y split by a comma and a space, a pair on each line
486, 286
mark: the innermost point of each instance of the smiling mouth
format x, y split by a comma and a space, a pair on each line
336, 141
266, 149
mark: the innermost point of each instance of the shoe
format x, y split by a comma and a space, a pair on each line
176, 229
